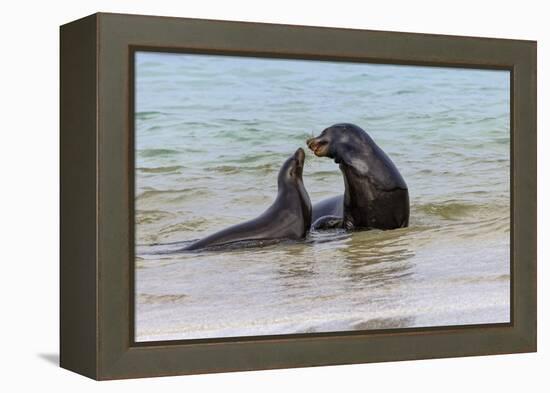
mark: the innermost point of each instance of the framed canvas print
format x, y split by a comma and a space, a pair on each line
240, 196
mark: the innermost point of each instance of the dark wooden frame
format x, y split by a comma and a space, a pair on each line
97, 196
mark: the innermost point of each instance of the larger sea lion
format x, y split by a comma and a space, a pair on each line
375, 197
289, 217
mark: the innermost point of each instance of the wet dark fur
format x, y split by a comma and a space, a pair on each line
289, 217
376, 196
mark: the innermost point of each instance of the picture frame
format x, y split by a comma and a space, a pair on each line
97, 183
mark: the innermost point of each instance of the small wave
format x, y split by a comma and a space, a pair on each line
327, 236
151, 216
232, 169
161, 169
182, 194
384, 323
226, 169
230, 120
146, 115
416, 116
155, 128
502, 141
175, 248
261, 156
476, 224
190, 123
497, 224
405, 91
148, 298
448, 210
482, 120
480, 279
154, 249
243, 133
151, 63
184, 226
157, 152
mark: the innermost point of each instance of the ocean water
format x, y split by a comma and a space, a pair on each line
211, 135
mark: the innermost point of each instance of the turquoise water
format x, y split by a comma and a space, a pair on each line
211, 134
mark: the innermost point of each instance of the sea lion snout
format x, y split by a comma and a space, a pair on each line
318, 146
311, 142
300, 156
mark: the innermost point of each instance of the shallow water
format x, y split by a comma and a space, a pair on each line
211, 135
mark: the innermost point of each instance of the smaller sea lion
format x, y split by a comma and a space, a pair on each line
289, 217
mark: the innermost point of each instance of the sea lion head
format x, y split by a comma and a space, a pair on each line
337, 140
290, 181
293, 168
356, 152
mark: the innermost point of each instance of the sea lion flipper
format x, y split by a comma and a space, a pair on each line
327, 222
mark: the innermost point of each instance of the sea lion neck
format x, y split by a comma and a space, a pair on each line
353, 157
282, 177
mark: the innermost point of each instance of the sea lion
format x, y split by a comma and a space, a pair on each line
330, 207
375, 197
289, 217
